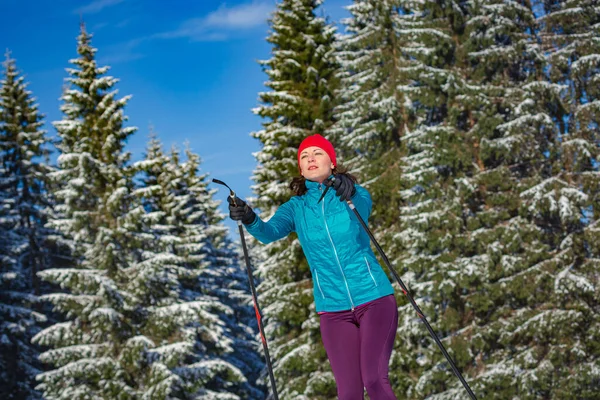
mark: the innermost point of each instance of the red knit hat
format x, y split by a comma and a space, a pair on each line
320, 142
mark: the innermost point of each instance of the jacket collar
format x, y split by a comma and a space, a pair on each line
315, 189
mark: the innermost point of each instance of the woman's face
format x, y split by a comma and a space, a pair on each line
315, 164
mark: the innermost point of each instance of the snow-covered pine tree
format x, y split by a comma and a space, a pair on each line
490, 283
192, 342
565, 205
23, 152
430, 214
529, 320
373, 113
491, 264
223, 277
301, 75
96, 215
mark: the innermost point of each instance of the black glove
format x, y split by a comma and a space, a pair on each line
343, 186
240, 211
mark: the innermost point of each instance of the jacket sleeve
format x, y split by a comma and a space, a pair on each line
278, 226
363, 203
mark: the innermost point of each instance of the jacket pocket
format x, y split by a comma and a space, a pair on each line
369, 269
319, 283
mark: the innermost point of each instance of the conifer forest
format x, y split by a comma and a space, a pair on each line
475, 126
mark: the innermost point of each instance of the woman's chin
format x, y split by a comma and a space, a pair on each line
318, 179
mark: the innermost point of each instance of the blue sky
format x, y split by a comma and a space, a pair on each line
190, 65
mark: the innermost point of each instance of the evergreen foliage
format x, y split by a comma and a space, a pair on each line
95, 216
195, 328
152, 309
483, 185
373, 114
473, 124
497, 187
301, 75
23, 206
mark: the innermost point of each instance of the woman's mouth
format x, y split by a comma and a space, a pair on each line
311, 168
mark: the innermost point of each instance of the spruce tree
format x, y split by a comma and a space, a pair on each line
96, 215
222, 277
499, 191
371, 115
529, 334
565, 205
140, 319
392, 118
488, 283
301, 78
490, 222
373, 112
192, 334
23, 205
430, 211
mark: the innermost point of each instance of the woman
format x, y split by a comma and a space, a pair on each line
353, 296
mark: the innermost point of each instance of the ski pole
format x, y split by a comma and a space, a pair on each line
261, 329
412, 301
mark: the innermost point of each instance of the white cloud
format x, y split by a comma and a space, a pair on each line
96, 6
216, 24
242, 16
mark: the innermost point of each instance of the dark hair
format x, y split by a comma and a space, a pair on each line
298, 183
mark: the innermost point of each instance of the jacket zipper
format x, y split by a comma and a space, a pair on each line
335, 253
369, 268
319, 284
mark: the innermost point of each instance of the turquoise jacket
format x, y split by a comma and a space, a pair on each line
344, 269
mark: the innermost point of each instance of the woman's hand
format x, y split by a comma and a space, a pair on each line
343, 186
240, 211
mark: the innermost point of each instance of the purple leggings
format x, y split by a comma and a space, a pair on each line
359, 345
